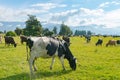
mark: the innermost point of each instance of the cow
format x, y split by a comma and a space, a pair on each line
118, 41
10, 40
47, 47
88, 38
99, 42
111, 42
67, 39
23, 39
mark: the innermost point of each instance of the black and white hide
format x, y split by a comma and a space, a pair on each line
47, 47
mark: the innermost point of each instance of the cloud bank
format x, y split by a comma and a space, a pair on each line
71, 17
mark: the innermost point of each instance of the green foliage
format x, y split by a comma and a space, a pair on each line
65, 30
77, 32
10, 33
55, 30
46, 32
18, 31
82, 32
89, 33
1, 32
33, 26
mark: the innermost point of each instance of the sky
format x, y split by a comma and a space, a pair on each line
105, 13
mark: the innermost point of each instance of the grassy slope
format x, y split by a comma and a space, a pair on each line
93, 63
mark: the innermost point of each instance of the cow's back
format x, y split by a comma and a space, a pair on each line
45, 46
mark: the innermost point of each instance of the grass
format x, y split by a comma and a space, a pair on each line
93, 62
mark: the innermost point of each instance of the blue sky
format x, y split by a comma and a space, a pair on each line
72, 12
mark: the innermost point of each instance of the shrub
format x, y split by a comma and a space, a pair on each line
10, 33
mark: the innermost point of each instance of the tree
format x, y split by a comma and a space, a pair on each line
33, 26
65, 30
55, 30
1, 32
18, 31
89, 33
46, 32
10, 33
82, 32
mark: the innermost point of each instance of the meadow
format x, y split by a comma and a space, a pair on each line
93, 62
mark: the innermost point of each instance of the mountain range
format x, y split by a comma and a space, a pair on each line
97, 29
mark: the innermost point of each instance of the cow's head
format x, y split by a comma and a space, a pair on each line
67, 39
72, 63
70, 57
15, 45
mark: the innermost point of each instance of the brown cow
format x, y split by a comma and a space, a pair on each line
111, 42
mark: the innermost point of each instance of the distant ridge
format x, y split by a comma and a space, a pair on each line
98, 29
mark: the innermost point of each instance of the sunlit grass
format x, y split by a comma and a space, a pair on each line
93, 62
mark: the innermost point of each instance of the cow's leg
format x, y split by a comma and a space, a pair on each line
53, 60
62, 62
27, 57
31, 60
34, 66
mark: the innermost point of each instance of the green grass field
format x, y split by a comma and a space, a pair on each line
93, 62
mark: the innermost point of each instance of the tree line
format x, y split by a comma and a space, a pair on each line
34, 28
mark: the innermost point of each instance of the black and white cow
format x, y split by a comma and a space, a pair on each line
47, 47
88, 38
10, 40
99, 42
118, 41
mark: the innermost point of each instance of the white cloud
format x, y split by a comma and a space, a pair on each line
48, 6
18, 25
63, 16
1, 24
85, 17
73, 17
10, 25
9, 14
106, 4
110, 19
77, 17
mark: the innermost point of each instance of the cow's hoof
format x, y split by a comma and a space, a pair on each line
64, 69
35, 69
50, 68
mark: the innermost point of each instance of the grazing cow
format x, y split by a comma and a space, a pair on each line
88, 38
99, 42
118, 41
67, 39
47, 47
10, 40
111, 42
23, 39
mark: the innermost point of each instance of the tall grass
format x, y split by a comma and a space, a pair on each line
93, 62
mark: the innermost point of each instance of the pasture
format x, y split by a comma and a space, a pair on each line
93, 62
